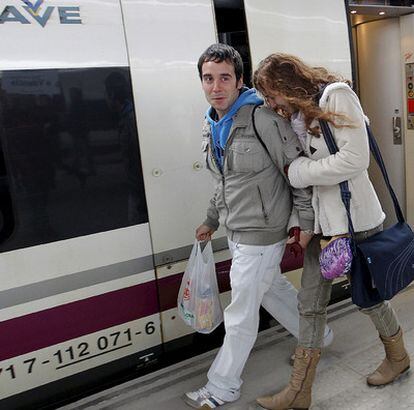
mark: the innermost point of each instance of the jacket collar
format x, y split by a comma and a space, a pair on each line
240, 120
243, 117
336, 86
328, 89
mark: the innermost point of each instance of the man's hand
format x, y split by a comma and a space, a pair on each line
204, 233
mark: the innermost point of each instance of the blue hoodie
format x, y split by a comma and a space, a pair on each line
220, 130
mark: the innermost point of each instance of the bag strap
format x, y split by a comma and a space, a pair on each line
345, 193
256, 132
378, 157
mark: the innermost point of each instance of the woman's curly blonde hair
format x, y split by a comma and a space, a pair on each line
299, 84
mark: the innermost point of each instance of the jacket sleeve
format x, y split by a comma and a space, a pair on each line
353, 155
284, 147
212, 219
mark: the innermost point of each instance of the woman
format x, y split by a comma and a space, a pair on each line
307, 94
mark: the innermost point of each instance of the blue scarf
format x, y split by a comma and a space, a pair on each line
220, 130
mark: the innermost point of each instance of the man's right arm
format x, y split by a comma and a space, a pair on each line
211, 223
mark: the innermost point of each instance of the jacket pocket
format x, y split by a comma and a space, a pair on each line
207, 156
247, 156
265, 214
291, 148
204, 148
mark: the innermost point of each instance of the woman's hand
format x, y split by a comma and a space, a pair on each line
298, 240
305, 238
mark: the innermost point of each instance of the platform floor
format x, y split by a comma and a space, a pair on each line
340, 382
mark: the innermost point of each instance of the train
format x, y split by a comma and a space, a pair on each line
102, 181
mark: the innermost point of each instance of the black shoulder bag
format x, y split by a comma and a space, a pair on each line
383, 264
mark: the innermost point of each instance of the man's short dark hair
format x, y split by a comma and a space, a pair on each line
222, 52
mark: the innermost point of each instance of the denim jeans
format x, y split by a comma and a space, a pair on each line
315, 294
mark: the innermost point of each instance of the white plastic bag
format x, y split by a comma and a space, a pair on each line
198, 298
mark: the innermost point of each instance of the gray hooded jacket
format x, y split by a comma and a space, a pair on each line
252, 196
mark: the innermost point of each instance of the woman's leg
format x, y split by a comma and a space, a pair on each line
396, 359
382, 315
384, 318
385, 321
281, 301
313, 299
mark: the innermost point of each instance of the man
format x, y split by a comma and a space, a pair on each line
254, 202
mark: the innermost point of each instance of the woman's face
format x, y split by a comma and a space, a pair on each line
277, 102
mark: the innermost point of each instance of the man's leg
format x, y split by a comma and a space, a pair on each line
281, 301
251, 275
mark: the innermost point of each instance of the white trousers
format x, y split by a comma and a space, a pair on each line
256, 280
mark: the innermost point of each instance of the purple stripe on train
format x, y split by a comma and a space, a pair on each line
56, 325
48, 327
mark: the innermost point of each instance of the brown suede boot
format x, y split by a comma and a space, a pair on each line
297, 394
395, 363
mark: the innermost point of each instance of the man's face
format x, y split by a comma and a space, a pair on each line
220, 85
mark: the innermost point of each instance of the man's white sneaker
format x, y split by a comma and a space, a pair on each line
202, 399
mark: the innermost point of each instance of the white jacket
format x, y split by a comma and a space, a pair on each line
324, 171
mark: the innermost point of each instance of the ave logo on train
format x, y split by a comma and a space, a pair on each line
36, 12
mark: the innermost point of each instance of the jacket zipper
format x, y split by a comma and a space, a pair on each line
266, 216
221, 170
223, 178
229, 141
224, 181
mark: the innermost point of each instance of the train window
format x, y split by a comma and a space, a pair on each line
232, 30
70, 157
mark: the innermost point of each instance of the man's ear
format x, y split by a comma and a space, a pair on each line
240, 83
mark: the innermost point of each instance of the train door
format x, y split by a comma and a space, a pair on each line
78, 298
380, 61
407, 57
380, 88
164, 42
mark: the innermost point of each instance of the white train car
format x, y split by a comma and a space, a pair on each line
101, 176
